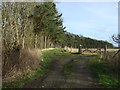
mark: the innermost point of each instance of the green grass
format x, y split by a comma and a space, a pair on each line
108, 81
68, 69
48, 57
103, 72
55, 54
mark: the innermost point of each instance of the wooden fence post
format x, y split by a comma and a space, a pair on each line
101, 54
71, 49
105, 51
80, 49
67, 49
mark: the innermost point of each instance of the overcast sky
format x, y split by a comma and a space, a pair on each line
97, 20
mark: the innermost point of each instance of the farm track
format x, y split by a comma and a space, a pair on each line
81, 78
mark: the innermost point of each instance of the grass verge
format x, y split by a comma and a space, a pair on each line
48, 57
104, 73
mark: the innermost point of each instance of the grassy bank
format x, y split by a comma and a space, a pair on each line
48, 57
105, 72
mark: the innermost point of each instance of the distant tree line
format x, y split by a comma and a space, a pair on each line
38, 25
73, 40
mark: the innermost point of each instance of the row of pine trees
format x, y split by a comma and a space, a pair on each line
37, 25
25, 24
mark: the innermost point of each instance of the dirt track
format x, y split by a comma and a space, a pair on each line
81, 77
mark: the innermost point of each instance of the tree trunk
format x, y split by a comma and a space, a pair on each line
49, 42
42, 42
45, 41
23, 40
23, 43
3, 32
17, 34
35, 45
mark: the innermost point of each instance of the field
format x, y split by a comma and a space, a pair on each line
92, 49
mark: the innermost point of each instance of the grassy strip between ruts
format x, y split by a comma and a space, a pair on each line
68, 69
102, 71
48, 57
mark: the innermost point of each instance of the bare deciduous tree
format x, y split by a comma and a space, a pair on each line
117, 40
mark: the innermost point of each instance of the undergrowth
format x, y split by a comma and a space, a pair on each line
48, 56
104, 72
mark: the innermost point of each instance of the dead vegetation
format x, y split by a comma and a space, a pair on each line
19, 63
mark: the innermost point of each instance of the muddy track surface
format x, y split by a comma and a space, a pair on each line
81, 77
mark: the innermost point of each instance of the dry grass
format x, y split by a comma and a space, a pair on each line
20, 63
47, 49
92, 49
